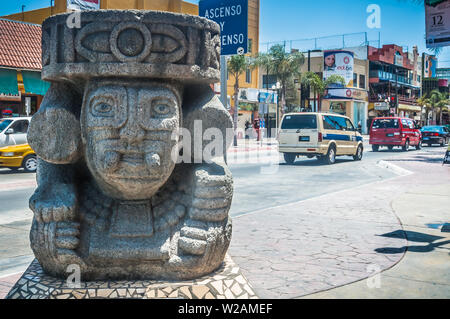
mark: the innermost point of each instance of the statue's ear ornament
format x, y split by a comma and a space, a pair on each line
54, 132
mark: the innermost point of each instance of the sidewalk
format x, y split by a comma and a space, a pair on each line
392, 227
423, 208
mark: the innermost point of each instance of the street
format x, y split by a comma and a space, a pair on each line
255, 191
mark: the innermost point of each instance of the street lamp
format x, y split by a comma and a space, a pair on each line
277, 87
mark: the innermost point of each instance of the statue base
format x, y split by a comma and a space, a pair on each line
225, 283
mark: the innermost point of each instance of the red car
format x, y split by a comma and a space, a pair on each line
394, 132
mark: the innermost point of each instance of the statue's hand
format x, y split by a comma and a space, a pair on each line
55, 203
57, 242
55, 232
213, 191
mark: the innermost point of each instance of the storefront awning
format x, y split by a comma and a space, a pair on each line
33, 83
8, 82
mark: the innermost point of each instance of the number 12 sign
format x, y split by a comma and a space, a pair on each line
437, 17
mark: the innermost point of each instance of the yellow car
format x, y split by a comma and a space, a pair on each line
17, 156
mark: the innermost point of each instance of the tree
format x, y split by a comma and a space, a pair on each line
285, 66
237, 65
319, 86
436, 101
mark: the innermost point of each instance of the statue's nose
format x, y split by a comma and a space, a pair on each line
132, 131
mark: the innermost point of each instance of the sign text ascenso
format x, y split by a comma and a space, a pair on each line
232, 16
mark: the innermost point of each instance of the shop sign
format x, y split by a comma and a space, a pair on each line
437, 21
343, 93
381, 106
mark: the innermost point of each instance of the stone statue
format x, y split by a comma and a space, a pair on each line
112, 195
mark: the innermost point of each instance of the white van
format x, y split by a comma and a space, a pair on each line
323, 135
13, 130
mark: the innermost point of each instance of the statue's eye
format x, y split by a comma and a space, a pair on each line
161, 108
103, 109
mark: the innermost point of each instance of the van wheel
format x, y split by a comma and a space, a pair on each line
375, 148
419, 146
330, 158
289, 158
405, 147
359, 153
30, 163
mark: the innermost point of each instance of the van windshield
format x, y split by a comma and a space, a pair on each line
4, 124
295, 122
385, 123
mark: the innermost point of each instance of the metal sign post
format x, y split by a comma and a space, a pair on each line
232, 16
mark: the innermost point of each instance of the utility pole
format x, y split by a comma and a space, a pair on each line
309, 69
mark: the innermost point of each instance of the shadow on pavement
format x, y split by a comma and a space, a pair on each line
412, 236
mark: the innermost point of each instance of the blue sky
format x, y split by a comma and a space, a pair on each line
402, 21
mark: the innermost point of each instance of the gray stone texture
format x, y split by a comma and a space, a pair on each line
113, 195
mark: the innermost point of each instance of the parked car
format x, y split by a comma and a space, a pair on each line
13, 130
435, 135
393, 132
17, 156
320, 135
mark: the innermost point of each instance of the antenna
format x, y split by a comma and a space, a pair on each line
23, 15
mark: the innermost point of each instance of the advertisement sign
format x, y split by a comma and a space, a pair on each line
339, 63
346, 93
437, 21
81, 5
232, 16
430, 66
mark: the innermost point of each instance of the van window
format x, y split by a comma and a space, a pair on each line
334, 123
4, 124
385, 123
295, 122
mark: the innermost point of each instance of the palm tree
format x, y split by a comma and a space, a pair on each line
436, 101
236, 66
319, 86
285, 66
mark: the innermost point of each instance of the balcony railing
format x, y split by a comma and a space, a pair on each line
389, 76
401, 99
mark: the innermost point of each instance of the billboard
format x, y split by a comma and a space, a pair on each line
80, 5
339, 63
232, 16
437, 21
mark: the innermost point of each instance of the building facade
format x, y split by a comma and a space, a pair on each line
21, 87
395, 78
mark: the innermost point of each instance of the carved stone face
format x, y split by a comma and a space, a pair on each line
127, 128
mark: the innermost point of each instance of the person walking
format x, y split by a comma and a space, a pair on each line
257, 129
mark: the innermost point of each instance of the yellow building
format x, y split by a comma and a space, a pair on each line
249, 80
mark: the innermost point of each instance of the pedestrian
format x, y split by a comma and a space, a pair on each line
256, 127
248, 126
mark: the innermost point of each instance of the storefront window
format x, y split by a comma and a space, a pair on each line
337, 107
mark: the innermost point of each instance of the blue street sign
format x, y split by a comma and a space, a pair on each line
232, 16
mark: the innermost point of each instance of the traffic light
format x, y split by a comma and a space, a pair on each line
392, 101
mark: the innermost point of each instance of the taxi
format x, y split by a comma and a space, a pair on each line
17, 156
